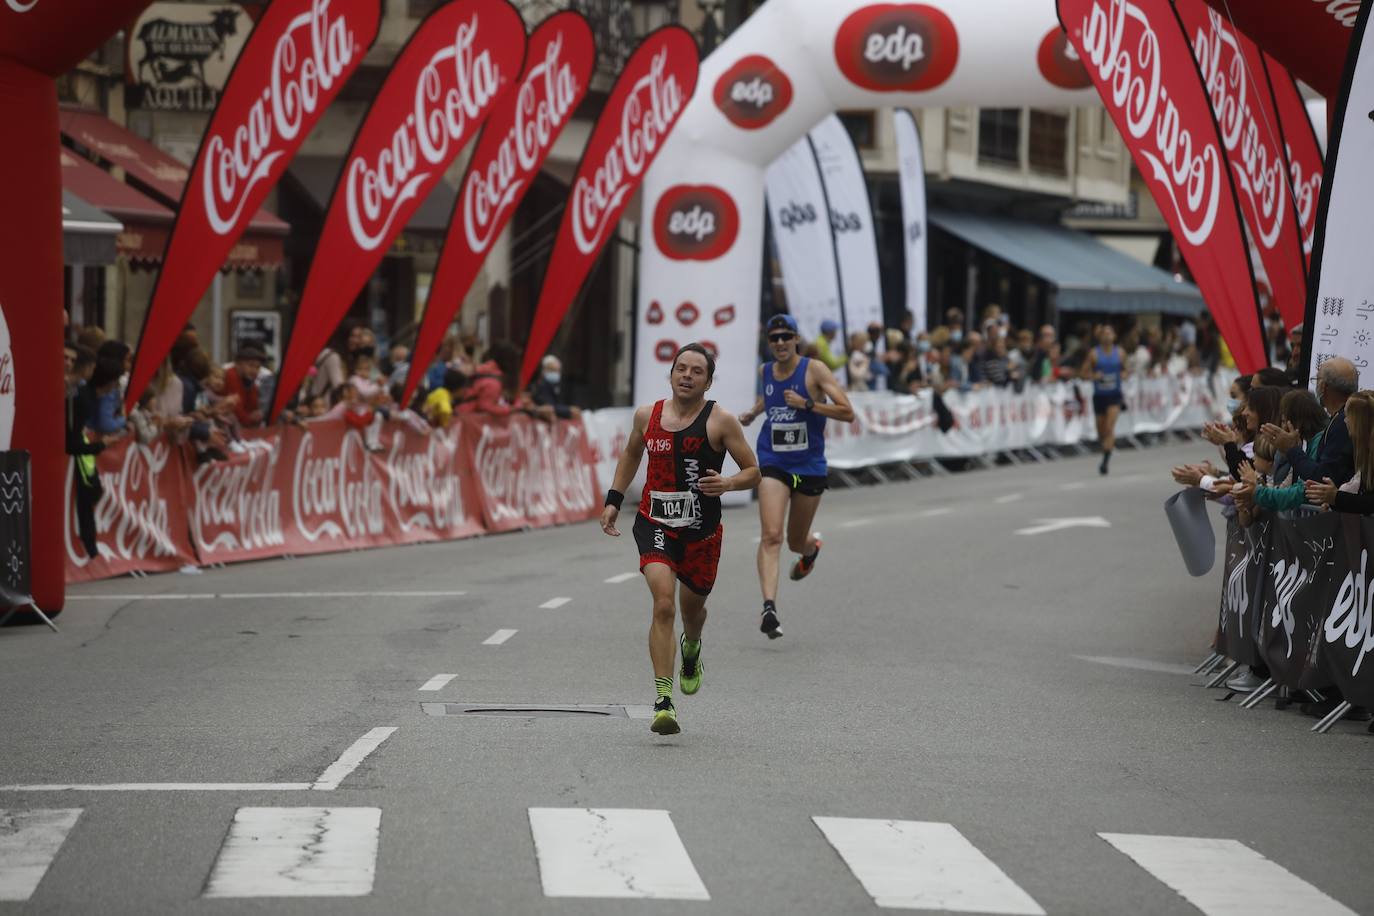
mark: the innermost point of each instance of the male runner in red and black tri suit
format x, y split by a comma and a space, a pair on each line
678, 527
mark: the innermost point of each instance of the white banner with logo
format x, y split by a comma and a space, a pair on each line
851, 219
911, 179
1340, 315
806, 243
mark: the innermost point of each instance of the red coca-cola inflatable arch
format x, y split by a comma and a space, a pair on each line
39, 41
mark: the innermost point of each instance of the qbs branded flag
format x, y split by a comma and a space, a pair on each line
299, 57
911, 173
851, 220
1232, 69
1142, 66
641, 111
515, 142
1340, 310
1305, 165
805, 240
1309, 37
445, 83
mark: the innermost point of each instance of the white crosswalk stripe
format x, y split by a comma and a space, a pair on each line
1225, 877
29, 841
612, 852
921, 865
298, 852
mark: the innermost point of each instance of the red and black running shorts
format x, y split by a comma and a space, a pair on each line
694, 562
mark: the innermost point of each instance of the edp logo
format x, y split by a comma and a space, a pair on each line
901, 47
697, 223
758, 92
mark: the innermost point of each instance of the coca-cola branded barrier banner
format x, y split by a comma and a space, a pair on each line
1340, 311
1141, 62
516, 140
318, 489
1297, 596
141, 518
643, 108
1305, 158
765, 87
1309, 37
452, 74
1232, 68
299, 57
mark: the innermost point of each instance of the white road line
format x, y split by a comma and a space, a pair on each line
623, 577
161, 787
438, 682
1138, 664
1224, 877
612, 852
1009, 498
554, 603
350, 759
29, 841
243, 596
298, 852
499, 637
921, 865
932, 513
856, 523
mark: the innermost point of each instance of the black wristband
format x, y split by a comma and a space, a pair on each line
810, 404
615, 498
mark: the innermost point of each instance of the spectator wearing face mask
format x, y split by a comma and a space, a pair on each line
547, 392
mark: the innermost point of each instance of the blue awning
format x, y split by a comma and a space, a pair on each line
1087, 275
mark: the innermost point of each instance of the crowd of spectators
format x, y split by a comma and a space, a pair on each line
1288, 448
996, 354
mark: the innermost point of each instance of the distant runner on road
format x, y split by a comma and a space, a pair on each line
678, 527
792, 455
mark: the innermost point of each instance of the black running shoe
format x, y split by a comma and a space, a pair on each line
768, 622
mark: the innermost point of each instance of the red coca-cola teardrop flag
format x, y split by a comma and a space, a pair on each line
642, 110
1141, 63
1305, 160
299, 57
1232, 69
445, 83
1310, 37
516, 140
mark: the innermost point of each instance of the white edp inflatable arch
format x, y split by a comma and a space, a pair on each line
790, 65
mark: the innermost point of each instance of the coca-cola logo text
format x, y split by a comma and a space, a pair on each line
336, 496
1346, 12
531, 473
310, 57
425, 489
652, 108
695, 223
753, 93
132, 517
1256, 161
236, 507
1060, 64
897, 47
546, 97
1188, 168
454, 90
19, 6
1307, 192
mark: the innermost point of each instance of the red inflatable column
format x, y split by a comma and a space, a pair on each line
31, 302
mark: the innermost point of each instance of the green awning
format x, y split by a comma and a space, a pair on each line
1087, 275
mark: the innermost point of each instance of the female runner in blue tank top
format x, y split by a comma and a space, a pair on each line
1107, 368
799, 395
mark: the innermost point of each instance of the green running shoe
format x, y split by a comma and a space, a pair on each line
665, 718
690, 674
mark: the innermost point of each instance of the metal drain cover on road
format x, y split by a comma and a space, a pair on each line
537, 711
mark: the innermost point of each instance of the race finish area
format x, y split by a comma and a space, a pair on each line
962, 718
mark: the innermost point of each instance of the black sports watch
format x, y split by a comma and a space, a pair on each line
810, 404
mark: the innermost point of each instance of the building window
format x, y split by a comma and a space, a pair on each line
860, 125
999, 136
1049, 142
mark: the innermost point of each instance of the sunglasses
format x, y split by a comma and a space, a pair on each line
781, 338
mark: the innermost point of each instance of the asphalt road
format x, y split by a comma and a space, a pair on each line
1013, 696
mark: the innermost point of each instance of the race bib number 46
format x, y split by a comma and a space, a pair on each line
790, 437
